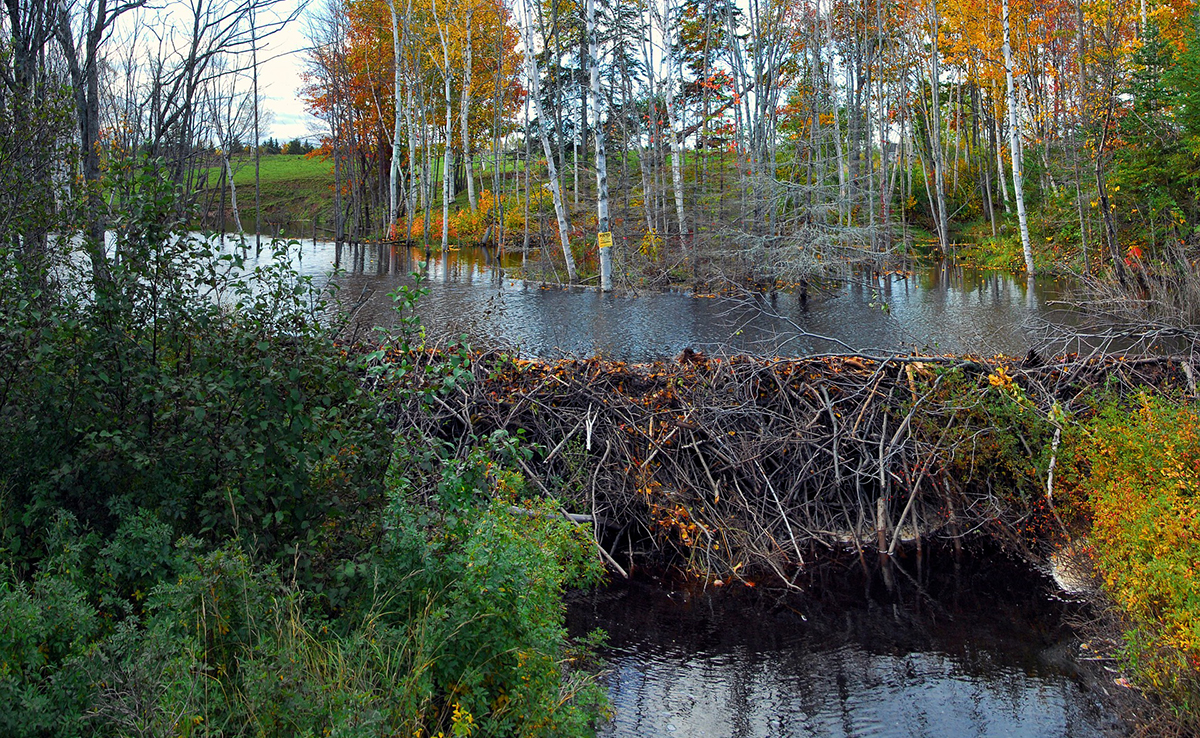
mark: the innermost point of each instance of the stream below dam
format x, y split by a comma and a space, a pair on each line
939, 648
942, 646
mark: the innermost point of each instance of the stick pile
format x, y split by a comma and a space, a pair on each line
740, 464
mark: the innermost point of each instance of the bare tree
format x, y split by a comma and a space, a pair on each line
81, 31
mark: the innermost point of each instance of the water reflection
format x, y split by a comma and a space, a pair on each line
985, 656
939, 309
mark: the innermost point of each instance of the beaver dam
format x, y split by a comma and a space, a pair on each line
737, 465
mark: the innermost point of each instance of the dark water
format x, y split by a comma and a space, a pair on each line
936, 309
983, 653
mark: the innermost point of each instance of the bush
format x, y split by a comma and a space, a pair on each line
183, 385
470, 226
195, 535
492, 563
418, 227
46, 630
459, 628
1142, 479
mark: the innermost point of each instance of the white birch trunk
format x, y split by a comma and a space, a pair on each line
939, 184
601, 159
394, 180
449, 134
535, 94
237, 217
673, 138
1000, 164
413, 171
446, 174
1014, 145
464, 112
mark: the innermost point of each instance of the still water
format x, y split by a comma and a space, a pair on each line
977, 650
938, 309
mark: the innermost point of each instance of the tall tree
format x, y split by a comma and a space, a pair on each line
1014, 133
601, 150
560, 212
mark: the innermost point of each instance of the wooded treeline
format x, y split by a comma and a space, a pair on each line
762, 139
770, 134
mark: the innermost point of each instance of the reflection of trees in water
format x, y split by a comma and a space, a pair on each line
950, 309
846, 651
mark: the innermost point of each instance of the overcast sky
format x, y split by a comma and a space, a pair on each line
280, 81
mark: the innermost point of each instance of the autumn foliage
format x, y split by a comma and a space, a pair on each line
1141, 475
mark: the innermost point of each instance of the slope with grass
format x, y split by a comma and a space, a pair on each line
295, 189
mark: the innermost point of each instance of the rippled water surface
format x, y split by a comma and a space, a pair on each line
936, 309
983, 654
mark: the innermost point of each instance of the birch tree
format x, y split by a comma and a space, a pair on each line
535, 95
394, 171
601, 153
1014, 144
443, 29
464, 104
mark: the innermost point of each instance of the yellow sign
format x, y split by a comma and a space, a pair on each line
605, 239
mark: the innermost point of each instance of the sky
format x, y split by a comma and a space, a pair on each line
280, 81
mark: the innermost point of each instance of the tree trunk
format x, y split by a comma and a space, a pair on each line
939, 179
673, 138
564, 227
464, 113
1015, 147
237, 218
601, 158
397, 82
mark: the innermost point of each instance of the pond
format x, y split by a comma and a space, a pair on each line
973, 647
936, 309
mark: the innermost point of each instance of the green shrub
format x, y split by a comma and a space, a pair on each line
495, 562
47, 628
460, 627
195, 535
217, 399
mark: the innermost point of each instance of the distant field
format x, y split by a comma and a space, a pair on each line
294, 188
284, 168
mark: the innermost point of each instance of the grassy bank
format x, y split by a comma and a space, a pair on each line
295, 189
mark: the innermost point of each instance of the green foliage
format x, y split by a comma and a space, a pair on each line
993, 429
36, 137
1153, 184
187, 386
195, 535
459, 624
46, 629
496, 562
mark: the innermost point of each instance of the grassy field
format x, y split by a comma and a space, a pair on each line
294, 188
